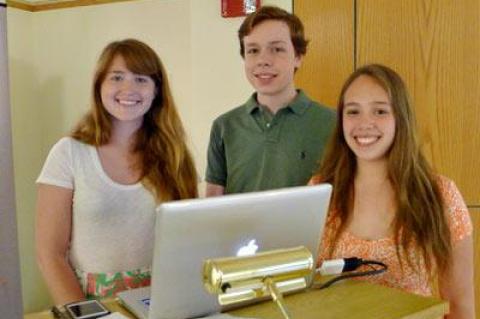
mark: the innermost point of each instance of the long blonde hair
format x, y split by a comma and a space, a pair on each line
420, 210
167, 166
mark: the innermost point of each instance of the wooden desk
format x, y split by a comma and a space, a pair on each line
349, 299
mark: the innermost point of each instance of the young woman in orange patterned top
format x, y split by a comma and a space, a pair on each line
387, 203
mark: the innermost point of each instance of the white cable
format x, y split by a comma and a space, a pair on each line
331, 267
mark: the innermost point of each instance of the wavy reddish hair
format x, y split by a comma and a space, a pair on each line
167, 167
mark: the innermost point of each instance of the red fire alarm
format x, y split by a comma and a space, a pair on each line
238, 8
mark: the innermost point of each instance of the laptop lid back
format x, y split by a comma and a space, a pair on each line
190, 231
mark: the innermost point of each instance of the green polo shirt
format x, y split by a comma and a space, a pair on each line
252, 150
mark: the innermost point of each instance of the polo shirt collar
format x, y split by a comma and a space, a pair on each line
251, 104
298, 106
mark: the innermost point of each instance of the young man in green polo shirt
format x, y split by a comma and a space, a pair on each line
277, 137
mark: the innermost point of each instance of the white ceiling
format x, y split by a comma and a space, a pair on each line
39, 5
44, 1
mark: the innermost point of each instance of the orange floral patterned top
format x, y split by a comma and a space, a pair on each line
412, 279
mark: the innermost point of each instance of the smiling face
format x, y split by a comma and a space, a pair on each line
368, 120
270, 60
125, 95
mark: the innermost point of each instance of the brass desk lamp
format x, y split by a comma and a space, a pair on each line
244, 279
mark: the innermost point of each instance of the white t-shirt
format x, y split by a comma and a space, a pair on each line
112, 224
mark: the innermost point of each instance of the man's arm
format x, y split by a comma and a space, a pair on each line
214, 190
216, 164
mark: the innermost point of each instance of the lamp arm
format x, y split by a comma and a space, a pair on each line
277, 296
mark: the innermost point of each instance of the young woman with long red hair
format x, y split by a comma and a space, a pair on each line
99, 187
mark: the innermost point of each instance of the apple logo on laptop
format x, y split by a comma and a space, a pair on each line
249, 249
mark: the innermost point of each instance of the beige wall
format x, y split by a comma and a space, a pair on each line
27, 145
52, 56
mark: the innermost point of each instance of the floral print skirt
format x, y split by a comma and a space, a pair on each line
101, 285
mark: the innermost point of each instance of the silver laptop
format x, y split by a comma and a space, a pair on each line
190, 231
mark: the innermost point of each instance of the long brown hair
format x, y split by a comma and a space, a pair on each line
167, 166
420, 210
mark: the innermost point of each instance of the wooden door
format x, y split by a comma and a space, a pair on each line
435, 46
329, 59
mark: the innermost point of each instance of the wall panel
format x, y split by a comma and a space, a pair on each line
329, 59
435, 46
10, 292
